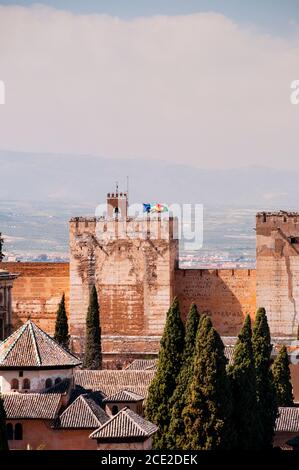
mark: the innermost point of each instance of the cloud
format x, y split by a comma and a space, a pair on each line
197, 89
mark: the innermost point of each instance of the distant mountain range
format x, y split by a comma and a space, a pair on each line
86, 179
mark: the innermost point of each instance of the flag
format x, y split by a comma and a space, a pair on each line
154, 208
159, 208
147, 208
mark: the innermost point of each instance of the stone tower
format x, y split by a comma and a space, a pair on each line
277, 257
117, 205
132, 263
6, 284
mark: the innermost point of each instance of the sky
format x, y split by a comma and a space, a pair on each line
203, 83
270, 15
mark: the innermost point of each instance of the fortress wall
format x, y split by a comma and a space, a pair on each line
277, 257
225, 294
37, 292
131, 262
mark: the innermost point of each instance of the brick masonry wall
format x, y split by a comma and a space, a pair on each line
226, 295
37, 292
133, 274
277, 256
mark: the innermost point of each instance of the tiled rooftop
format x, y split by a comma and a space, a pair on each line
151, 364
124, 396
30, 346
83, 413
288, 419
143, 364
114, 381
125, 424
31, 405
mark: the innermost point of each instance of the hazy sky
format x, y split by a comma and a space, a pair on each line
185, 81
271, 15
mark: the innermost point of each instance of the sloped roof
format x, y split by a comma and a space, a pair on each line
113, 381
125, 424
288, 419
123, 396
84, 412
29, 346
143, 364
31, 405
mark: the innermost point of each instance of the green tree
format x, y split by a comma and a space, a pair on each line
3, 437
176, 433
244, 391
93, 349
207, 415
267, 402
282, 379
61, 326
163, 384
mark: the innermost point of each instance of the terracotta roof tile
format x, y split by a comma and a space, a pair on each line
123, 396
31, 405
143, 364
288, 419
113, 381
151, 364
84, 412
125, 424
30, 346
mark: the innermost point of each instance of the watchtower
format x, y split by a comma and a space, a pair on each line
131, 261
277, 256
117, 205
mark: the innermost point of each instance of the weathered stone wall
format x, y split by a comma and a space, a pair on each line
37, 292
277, 253
132, 263
226, 295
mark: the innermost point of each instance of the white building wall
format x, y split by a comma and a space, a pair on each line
37, 378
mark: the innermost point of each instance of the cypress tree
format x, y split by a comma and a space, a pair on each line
3, 437
207, 415
93, 350
61, 326
176, 434
266, 396
243, 383
161, 389
282, 379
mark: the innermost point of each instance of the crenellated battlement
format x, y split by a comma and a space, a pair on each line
131, 260
277, 218
143, 228
200, 272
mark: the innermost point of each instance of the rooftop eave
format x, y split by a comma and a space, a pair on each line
53, 367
